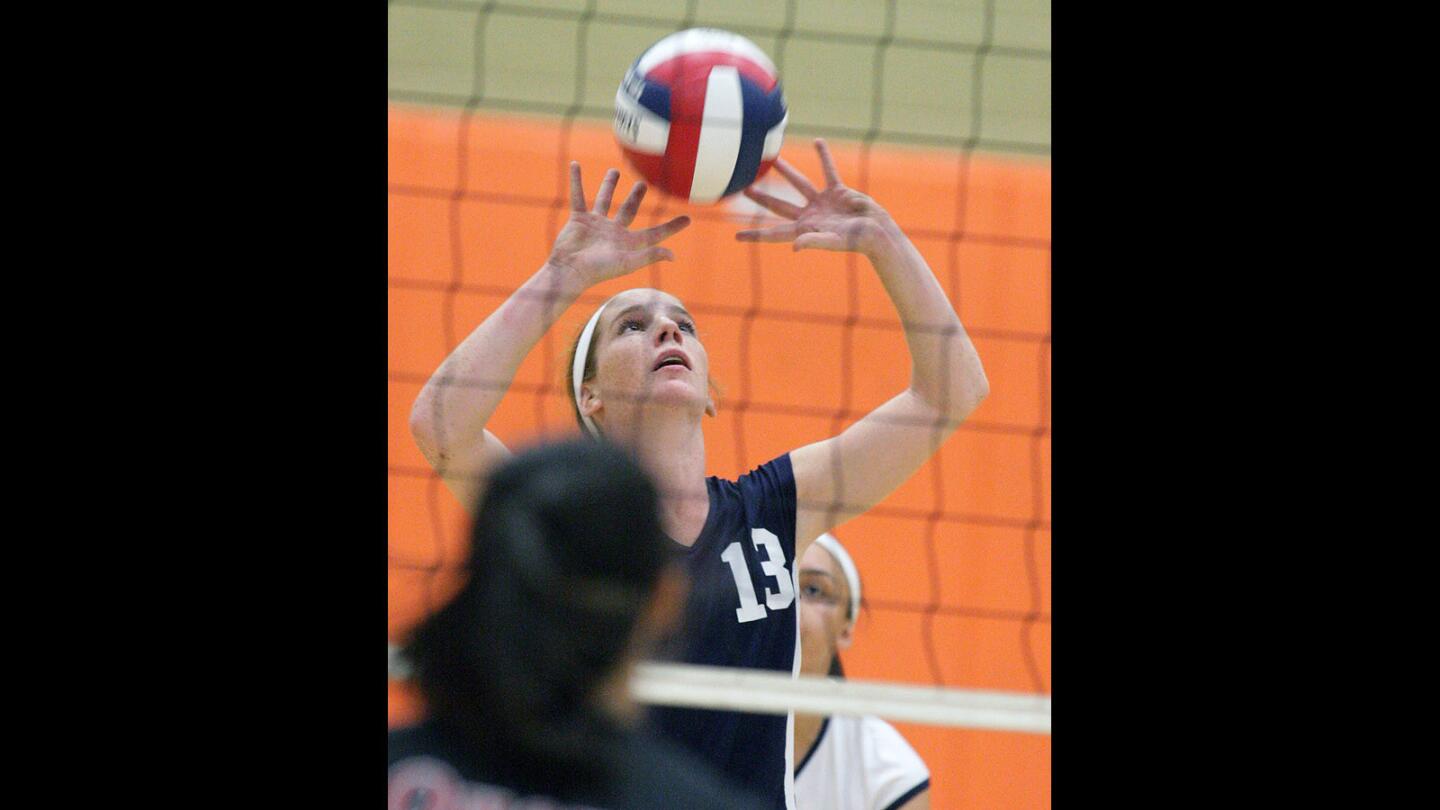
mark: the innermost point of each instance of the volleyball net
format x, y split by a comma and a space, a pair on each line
766, 692
938, 110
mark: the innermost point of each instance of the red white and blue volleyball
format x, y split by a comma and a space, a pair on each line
700, 115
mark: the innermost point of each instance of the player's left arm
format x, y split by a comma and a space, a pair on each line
841, 477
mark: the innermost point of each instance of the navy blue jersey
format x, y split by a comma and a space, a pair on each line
742, 612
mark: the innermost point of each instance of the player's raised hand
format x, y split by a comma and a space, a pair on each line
833, 218
599, 248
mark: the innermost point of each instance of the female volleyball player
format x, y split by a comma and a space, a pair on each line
524, 670
640, 378
846, 762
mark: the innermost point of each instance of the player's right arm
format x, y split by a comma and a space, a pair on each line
449, 417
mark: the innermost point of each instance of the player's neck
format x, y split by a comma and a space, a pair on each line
672, 451
807, 728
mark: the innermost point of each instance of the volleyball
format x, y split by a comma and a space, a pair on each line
700, 114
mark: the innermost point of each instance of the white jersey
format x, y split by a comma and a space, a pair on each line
859, 763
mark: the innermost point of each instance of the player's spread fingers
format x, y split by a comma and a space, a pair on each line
823, 241
606, 192
577, 191
796, 179
637, 259
775, 204
631, 206
779, 233
659, 233
827, 163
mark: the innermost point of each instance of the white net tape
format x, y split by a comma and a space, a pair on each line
777, 693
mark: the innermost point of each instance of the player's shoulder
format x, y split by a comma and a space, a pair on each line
883, 741
776, 468
775, 478
870, 724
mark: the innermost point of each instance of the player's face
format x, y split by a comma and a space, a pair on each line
649, 354
824, 600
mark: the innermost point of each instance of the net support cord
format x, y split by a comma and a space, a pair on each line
767, 692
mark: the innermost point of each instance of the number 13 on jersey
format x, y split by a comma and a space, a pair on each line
774, 566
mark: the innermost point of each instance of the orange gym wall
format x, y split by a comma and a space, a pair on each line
962, 600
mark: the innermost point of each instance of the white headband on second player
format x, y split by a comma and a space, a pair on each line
852, 574
582, 352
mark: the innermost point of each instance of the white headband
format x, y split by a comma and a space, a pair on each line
847, 565
582, 351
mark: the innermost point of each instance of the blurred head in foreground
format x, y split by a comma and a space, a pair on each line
569, 583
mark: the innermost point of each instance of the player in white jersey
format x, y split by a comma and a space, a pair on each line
845, 762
